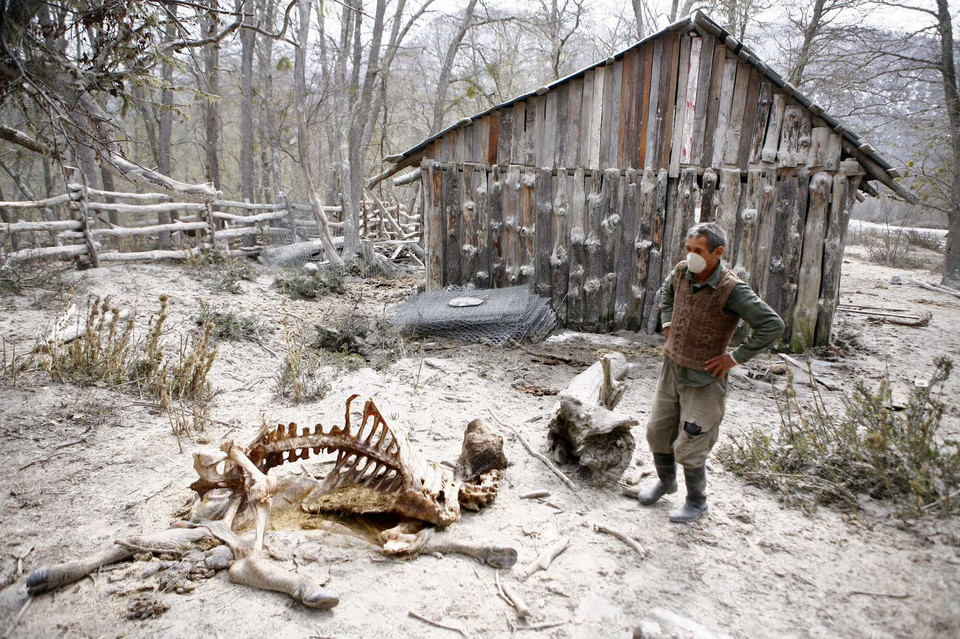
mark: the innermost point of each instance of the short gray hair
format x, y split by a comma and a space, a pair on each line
710, 230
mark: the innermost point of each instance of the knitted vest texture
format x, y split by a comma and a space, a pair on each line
699, 328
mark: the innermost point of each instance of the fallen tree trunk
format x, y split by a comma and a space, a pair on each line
584, 428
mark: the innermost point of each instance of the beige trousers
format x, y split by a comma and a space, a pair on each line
685, 419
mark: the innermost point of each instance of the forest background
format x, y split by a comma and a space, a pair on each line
304, 98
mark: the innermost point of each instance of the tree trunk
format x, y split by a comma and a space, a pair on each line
165, 131
951, 92
211, 106
248, 178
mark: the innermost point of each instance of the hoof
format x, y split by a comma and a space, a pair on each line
504, 557
320, 599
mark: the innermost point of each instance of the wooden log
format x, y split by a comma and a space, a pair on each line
83, 212
528, 227
511, 227
612, 207
480, 198
766, 223
452, 225
786, 209
250, 219
145, 209
593, 258
708, 200
795, 239
652, 112
56, 225
808, 292
805, 138
713, 104
685, 216
572, 156
39, 204
151, 256
771, 140
789, 150
727, 92
149, 230
764, 101
47, 252
433, 232
728, 198
626, 259
495, 229
738, 108
119, 195
656, 255
578, 238
585, 430
468, 227
749, 218
559, 255
408, 178
543, 231
560, 130
832, 155
845, 183
684, 107
643, 244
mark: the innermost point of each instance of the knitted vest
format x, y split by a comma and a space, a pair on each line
699, 328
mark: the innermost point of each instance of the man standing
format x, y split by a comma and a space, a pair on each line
701, 303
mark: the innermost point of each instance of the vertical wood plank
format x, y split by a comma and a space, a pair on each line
468, 227
451, 211
626, 260
530, 132
511, 227
596, 116
593, 257
542, 130
811, 262
788, 151
559, 256
495, 228
628, 116
652, 148
771, 140
682, 106
819, 138
578, 238
832, 161
616, 117
708, 201
571, 154
481, 198
586, 122
610, 205
795, 240
518, 148
749, 219
528, 226
760, 123
560, 131
727, 92
433, 220
542, 231
493, 121
731, 146
671, 56
750, 113
643, 104
643, 244
845, 183
704, 77
549, 128
683, 151
485, 138
713, 103
786, 212
504, 137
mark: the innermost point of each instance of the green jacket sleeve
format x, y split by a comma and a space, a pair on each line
766, 326
666, 301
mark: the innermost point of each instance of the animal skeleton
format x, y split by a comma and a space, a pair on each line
375, 471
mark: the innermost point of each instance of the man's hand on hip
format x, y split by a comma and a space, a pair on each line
719, 365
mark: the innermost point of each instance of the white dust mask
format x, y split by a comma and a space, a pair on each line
695, 263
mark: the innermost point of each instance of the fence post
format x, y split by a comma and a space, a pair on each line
211, 227
289, 220
85, 224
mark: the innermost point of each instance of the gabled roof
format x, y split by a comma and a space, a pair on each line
853, 145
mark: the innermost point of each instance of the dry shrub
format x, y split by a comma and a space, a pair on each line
306, 286
228, 325
223, 271
873, 449
102, 354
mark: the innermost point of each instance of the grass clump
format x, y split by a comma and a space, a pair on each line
225, 272
301, 376
305, 286
873, 449
102, 352
228, 326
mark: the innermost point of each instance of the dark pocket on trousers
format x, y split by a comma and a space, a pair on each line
691, 429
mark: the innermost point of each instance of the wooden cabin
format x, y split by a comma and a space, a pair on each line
584, 188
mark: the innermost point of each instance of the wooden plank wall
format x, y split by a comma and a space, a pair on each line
586, 191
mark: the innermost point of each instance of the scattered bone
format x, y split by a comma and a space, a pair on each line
808, 369
546, 558
584, 428
16, 620
523, 611
437, 624
622, 536
664, 624
537, 494
257, 571
482, 452
556, 471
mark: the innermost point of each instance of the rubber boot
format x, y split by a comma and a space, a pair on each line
665, 485
695, 506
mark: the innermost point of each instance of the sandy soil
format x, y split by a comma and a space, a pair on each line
86, 466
